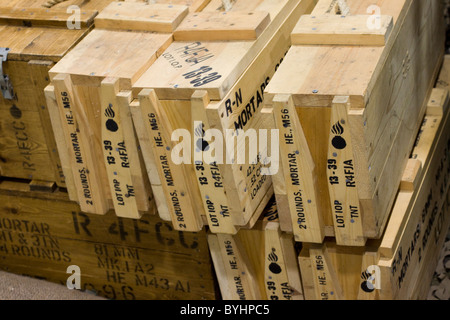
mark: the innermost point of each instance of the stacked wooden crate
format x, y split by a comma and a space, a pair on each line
116, 124
208, 78
42, 231
121, 67
42, 234
258, 263
353, 107
349, 101
399, 265
34, 36
97, 144
213, 77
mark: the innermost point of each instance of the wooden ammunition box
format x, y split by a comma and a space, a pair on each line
348, 101
34, 36
42, 234
402, 263
95, 136
211, 80
257, 264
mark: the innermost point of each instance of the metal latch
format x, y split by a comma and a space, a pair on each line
5, 83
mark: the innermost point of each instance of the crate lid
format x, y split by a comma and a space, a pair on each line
314, 73
119, 54
213, 48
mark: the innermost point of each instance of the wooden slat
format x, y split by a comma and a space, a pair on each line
299, 173
217, 26
63, 149
33, 43
30, 17
89, 192
140, 181
42, 186
277, 282
39, 75
411, 175
141, 16
241, 283
209, 177
346, 209
278, 181
326, 283
146, 148
438, 102
184, 215
292, 266
421, 287
341, 30
24, 151
305, 265
116, 153
424, 153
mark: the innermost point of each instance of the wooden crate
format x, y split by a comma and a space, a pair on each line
42, 234
36, 36
98, 149
348, 111
203, 78
402, 263
257, 264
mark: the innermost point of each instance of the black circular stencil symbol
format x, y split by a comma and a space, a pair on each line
275, 268
339, 143
111, 125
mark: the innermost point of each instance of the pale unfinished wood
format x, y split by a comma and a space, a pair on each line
341, 30
60, 141
182, 209
326, 283
116, 153
304, 262
141, 16
299, 173
411, 175
246, 197
116, 54
146, 148
344, 200
438, 103
424, 154
218, 65
209, 177
138, 175
39, 75
217, 26
84, 166
241, 283
382, 137
277, 282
